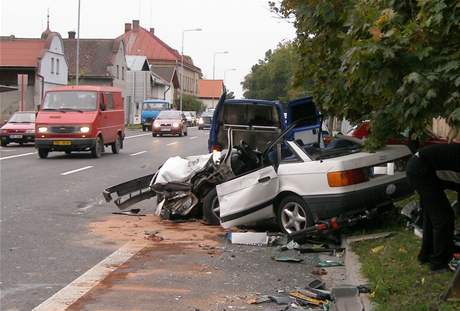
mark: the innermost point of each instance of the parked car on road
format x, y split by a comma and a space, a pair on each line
170, 122
80, 118
205, 120
150, 110
20, 128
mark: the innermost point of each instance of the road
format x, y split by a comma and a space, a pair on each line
47, 206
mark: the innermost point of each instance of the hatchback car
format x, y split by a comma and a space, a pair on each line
171, 122
20, 128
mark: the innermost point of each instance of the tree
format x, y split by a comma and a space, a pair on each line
190, 103
394, 62
272, 77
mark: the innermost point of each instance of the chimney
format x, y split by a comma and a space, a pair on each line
152, 31
135, 25
127, 27
72, 34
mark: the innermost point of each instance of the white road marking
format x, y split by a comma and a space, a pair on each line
173, 143
7, 150
156, 141
77, 170
193, 137
17, 156
140, 135
83, 284
138, 153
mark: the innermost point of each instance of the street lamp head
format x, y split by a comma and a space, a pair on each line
194, 29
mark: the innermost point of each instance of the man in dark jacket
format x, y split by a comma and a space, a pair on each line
432, 170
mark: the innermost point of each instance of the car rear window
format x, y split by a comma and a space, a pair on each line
250, 114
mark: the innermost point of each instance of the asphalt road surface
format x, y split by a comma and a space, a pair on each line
48, 204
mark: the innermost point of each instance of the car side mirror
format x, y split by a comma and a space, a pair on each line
102, 107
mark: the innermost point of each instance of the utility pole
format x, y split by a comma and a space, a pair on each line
182, 64
77, 70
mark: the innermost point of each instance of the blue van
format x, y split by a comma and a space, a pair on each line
150, 110
259, 121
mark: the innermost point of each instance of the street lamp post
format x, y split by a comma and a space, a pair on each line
214, 63
182, 63
227, 70
77, 63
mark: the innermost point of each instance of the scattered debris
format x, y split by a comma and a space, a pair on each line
302, 297
152, 236
259, 300
319, 271
329, 263
316, 284
281, 300
131, 212
287, 259
248, 238
366, 237
346, 298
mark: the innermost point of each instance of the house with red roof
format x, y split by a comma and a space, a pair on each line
209, 92
42, 60
164, 60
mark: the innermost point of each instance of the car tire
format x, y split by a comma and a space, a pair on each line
3, 143
293, 214
211, 208
186, 133
68, 152
181, 133
97, 150
144, 128
43, 153
154, 135
116, 146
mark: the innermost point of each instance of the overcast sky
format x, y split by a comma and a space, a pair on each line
244, 28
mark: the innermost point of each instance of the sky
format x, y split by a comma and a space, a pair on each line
244, 28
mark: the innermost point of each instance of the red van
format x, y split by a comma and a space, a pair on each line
80, 118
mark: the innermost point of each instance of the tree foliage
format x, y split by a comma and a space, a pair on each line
190, 103
272, 77
395, 62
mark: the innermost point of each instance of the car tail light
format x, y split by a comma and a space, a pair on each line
216, 148
347, 178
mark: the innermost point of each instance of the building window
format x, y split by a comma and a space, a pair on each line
123, 73
52, 64
118, 72
57, 66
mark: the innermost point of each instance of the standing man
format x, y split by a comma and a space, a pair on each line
432, 170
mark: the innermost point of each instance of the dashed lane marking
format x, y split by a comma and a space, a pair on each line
77, 170
193, 137
137, 153
17, 156
140, 135
173, 143
83, 284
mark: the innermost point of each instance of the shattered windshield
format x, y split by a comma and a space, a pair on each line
72, 100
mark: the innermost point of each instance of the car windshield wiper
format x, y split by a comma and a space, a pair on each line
70, 109
50, 109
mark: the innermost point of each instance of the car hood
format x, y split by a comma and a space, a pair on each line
68, 117
150, 114
168, 120
18, 126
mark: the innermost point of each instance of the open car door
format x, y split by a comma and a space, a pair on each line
303, 111
248, 198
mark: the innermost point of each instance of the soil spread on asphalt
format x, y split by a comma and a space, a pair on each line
185, 266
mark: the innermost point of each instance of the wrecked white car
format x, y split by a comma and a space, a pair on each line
296, 179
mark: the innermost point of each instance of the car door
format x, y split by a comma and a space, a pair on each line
248, 198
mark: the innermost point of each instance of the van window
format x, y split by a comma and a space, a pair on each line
109, 101
78, 100
250, 114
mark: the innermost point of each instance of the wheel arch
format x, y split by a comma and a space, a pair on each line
277, 200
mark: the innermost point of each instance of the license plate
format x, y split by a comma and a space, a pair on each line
62, 142
15, 136
165, 130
